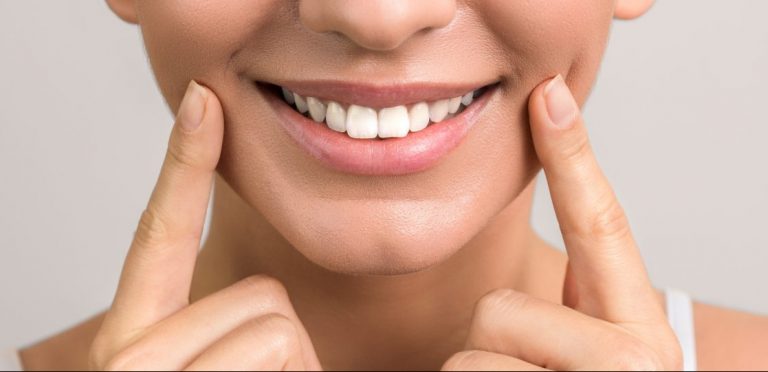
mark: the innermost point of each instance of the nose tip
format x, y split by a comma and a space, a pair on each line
376, 24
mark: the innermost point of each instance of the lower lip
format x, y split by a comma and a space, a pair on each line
413, 153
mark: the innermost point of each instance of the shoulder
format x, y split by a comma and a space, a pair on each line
729, 339
67, 350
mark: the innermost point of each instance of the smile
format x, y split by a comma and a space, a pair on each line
377, 130
391, 122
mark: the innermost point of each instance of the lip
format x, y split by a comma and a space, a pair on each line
378, 96
413, 153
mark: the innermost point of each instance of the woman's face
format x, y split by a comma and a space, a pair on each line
356, 223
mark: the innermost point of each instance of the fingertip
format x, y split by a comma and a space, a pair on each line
197, 137
537, 109
536, 105
213, 110
192, 108
562, 108
554, 115
214, 119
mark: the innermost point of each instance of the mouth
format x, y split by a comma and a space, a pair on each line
377, 130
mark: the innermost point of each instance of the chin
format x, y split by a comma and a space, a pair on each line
377, 239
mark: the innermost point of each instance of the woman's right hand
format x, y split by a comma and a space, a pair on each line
151, 324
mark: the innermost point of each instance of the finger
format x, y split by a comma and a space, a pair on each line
605, 262
560, 338
480, 360
178, 340
158, 269
267, 343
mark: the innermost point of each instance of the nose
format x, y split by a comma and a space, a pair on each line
376, 24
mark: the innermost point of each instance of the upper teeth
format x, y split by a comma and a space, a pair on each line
365, 122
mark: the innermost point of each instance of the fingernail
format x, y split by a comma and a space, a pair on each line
192, 108
561, 106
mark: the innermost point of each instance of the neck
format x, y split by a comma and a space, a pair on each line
413, 321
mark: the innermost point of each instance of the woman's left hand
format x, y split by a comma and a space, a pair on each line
611, 317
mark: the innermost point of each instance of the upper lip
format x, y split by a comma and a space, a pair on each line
379, 95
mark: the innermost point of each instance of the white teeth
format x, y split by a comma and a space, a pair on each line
336, 117
453, 104
288, 96
394, 122
301, 104
438, 110
365, 122
419, 116
466, 100
362, 122
316, 109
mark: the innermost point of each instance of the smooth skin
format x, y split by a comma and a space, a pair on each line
591, 309
611, 317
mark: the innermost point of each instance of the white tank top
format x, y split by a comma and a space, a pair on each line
679, 313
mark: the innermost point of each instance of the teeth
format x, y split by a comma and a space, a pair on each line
453, 105
288, 96
394, 122
365, 122
438, 110
466, 100
419, 116
316, 109
336, 117
301, 104
362, 122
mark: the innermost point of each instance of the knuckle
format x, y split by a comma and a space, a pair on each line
575, 150
284, 337
633, 355
264, 285
606, 221
495, 306
609, 221
181, 153
466, 360
153, 228
265, 292
499, 302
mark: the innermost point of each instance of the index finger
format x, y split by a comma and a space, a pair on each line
607, 277
157, 273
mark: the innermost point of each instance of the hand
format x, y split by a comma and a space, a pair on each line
612, 318
151, 324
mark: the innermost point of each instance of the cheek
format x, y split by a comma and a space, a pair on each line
543, 38
195, 39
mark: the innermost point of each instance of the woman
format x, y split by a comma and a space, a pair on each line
343, 238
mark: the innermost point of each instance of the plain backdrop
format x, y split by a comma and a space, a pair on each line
677, 119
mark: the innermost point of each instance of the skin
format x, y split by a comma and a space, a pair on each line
447, 271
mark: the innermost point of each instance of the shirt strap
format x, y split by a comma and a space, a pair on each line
680, 316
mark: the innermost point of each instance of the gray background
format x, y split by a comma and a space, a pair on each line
678, 120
